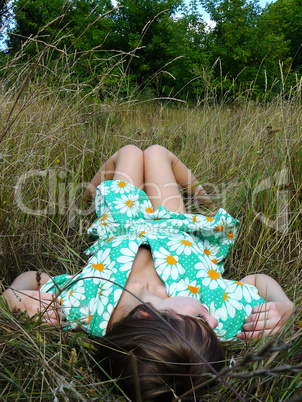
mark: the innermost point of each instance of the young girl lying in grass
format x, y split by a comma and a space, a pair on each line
153, 283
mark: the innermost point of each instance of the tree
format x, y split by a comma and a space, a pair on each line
239, 42
188, 41
4, 9
284, 18
144, 28
60, 21
4, 15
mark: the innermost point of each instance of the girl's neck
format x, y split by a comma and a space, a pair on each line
143, 285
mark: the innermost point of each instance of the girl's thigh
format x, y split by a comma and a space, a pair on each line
129, 166
160, 183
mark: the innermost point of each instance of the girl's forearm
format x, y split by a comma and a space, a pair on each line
30, 280
25, 283
267, 287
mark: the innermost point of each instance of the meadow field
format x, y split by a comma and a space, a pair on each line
54, 137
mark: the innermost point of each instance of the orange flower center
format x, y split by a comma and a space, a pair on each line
207, 252
99, 267
89, 318
213, 274
129, 203
209, 219
219, 228
171, 260
239, 283
141, 233
225, 296
231, 235
193, 289
104, 223
103, 217
214, 261
122, 184
149, 210
110, 238
186, 243
194, 219
71, 292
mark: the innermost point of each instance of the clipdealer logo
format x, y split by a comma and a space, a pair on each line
279, 182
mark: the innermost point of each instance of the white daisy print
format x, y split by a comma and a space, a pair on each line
106, 318
210, 249
229, 307
182, 245
91, 309
161, 214
185, 287
120, 187
100, 225
105, 218
242, 291
220, 332
191, 222
96, 305
128, 204
229, 238
73, 297
100, 266
177, 222
103, 189
206, 222
248, 310
159, 224
207, 272
154, 233
117, 294
167, 265
225, 228
116, 241
126, 260
147, 208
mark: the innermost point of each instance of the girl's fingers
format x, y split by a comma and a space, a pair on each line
259, 325
54, 318
261, 308
256, 334
47, 296
257, 317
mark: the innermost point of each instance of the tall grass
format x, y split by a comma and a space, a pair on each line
54, 136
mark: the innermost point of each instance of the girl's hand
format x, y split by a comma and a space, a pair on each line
35, 302
266, 319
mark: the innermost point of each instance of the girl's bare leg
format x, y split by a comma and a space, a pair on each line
126, 164
129, 166
163, 173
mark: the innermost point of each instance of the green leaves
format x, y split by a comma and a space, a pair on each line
143, 44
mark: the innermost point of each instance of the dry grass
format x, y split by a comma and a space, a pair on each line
63, 135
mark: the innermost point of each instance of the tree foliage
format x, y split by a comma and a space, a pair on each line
161, 52
284, 19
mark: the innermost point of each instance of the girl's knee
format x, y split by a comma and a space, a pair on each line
132, 150
155, 152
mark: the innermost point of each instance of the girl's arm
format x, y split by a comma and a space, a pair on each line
24, 295
269, 318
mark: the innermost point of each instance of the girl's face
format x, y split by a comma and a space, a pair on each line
187, 306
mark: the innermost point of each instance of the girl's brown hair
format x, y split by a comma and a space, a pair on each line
147, 357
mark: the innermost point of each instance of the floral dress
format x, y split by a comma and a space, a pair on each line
187, 250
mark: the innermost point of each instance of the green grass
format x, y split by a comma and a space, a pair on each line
63, 134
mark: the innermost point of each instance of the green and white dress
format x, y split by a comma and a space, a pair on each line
187, 250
